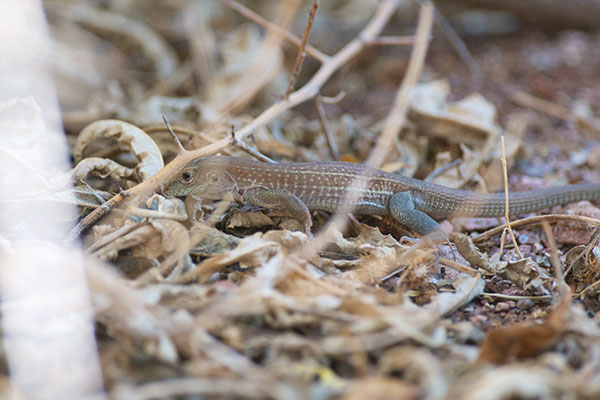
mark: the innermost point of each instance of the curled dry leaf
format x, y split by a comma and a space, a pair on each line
164, 242
524, 273
251, 252
103, 167
467, 288
470, 121
147, 154
526, 339
207, 240
160, 206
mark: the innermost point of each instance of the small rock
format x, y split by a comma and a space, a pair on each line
502, 306
525, 304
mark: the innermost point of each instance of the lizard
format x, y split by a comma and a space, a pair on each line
300, 187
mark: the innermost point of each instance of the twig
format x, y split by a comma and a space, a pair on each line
300, 56
251, 15
536, 220
459, 45
332, 100
397, 114
443, 169
382, 15
250, 150
547, 107
180, 148
506, 205
514, 297
333, 151
394, 41
563, 289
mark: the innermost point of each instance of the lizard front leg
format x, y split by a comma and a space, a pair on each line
281, 200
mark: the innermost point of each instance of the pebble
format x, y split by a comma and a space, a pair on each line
525, 304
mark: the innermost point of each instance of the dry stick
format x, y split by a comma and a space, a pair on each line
264, 66
382, 15
394, 41
505, 173
459, 45
180, 148
443, 169
396, 116
563, 289
536, 220
301, 55
333, 151
250, 150
251, 15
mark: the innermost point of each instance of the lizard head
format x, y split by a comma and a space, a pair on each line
203, 177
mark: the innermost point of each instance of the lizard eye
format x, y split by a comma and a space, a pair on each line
187, 177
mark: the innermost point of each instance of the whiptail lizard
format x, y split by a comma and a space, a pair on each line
330, 186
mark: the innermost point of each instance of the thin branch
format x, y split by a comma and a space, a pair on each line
250, 150
395, 119
536, 220
251, 15
301, 49
506, 197
180, 148
382, 15
397, 114
394, 41
333, 151
459, 45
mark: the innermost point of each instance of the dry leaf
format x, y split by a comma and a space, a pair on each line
526, 339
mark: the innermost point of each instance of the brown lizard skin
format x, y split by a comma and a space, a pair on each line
331, 186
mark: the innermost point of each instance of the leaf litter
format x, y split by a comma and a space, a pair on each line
228, 301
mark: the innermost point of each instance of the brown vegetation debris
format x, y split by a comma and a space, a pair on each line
211, 297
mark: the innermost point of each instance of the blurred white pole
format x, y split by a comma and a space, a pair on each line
47, 323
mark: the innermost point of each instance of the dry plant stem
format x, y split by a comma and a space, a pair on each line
333, 151
180, 130
537, 220
309, 90
461, 48
300, 57
180, 147
251, 15
587, 289
506, 216
397, 114
394, 41
250, 150
443, 169
527, 100
563, 289
513, 297
264, 65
